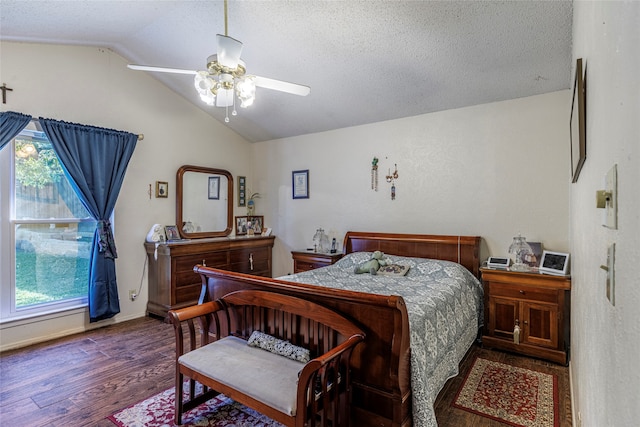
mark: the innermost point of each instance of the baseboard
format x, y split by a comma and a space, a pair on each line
574, 414
84, 328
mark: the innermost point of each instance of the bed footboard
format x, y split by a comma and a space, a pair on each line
380, 365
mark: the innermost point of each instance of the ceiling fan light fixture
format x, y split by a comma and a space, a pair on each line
224, 98
203, 82
225, 78
246, 91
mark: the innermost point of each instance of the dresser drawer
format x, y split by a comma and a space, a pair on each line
187, 278
188, 293
252, 261
210, 259
523, 292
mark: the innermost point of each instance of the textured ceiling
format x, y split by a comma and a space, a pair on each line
365, 61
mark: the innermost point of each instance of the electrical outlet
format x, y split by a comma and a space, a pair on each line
133, 294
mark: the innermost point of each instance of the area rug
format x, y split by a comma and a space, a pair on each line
515, 396
221, 411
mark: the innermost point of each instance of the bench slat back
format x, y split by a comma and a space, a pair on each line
301, 322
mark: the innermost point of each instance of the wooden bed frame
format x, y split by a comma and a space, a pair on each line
381, 364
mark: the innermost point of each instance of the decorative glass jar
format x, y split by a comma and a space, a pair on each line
520, 249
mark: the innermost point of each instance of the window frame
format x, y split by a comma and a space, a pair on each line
8, 310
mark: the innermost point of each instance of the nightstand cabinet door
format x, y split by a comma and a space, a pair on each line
537, 303
504, 313
541, 324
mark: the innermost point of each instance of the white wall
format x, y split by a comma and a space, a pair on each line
492, 170
93, 86
606, 338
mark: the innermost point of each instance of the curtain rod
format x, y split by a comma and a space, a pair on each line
140, 135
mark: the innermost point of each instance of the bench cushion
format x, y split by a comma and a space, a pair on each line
267, 377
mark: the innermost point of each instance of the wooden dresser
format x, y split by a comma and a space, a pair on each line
172, 282
538, 303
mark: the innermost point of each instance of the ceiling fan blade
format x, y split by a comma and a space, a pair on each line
292, 88
160, 69
229, 50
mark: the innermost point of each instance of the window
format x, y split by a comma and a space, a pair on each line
46, 232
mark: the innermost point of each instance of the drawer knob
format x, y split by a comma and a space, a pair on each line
251, 262
521, 292
204, 262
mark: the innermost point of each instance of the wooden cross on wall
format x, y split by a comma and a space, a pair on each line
4, 90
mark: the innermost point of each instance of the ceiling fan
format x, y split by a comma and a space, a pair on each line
226, 74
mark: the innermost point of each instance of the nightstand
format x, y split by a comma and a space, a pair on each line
309, 260
538, 303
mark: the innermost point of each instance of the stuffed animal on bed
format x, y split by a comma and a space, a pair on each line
373, 264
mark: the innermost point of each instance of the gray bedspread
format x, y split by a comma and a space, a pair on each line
444, 303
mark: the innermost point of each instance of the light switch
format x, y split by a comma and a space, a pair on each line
610, 219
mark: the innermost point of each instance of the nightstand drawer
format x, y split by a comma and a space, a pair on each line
307, 260
523, 292
306, 266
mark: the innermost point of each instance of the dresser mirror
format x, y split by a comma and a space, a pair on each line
204, 202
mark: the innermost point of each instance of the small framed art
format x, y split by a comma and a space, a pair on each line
172, 232
162, 189
533, 259
242, 191
214, 188
554, 263
300, 184
249, 225
577, 124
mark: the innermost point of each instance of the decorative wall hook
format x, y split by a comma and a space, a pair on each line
391, 178
374, 174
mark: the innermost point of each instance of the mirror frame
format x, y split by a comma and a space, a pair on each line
179, 192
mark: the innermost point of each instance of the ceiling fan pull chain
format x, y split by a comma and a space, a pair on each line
233, 97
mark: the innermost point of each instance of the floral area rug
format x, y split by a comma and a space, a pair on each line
221, 411
515, 396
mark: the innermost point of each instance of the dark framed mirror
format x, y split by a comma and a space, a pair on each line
204, 202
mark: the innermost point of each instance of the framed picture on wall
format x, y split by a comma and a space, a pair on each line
162, 189
578, 122
214, 188
300, 184
242, 191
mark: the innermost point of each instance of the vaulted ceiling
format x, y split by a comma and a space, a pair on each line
365, 61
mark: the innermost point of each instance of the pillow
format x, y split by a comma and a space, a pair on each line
393, 270
277, 346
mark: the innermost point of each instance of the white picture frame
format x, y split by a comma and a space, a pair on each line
554, 263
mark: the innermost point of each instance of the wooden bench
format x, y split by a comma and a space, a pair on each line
296, 394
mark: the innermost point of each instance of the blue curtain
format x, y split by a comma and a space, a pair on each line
11, 124
95, 161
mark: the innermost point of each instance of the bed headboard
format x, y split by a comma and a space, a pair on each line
464, 250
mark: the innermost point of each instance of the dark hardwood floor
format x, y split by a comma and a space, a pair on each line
82, 379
